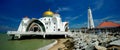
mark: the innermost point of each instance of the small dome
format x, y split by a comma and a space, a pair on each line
56, 15
48, 13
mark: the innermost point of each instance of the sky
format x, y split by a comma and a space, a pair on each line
73, 11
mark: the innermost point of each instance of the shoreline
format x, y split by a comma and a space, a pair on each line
47, 47
59, 45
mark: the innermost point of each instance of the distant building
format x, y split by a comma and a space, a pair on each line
107, 26
90, 24
84, 29
90, 19
75, 29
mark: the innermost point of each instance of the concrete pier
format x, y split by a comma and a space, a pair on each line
19, 34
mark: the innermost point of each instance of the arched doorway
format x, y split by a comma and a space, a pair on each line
36, 26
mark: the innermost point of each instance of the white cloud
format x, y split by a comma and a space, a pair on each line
117, 21
7, 28
10, 19
74, 18
76, 26
104, 19
63, 9
69, 18
79, 25
50, 1
84, 24
108, 18
98, 4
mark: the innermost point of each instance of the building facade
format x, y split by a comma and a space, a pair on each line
50, 22
107, 27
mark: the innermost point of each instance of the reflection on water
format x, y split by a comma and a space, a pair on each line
27, 44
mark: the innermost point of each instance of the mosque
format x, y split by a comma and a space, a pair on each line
50, 24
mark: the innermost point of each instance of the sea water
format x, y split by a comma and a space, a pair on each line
26, 44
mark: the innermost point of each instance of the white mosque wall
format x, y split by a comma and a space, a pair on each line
23, 25
65, 25
49, 25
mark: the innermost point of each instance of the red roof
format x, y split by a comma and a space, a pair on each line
108, 24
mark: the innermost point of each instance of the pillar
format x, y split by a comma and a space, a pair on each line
65, 36
44, 35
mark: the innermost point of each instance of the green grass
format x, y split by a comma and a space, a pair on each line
28, 44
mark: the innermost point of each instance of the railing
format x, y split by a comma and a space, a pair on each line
39, 33
15, 32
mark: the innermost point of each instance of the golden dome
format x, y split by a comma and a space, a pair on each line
48, 13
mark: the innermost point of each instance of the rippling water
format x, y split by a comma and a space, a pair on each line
27, 44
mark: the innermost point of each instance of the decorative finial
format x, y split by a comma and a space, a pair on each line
26, 17
89, 7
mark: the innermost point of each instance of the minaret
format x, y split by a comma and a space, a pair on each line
90, 19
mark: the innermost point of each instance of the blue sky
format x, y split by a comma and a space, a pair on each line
73, 11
